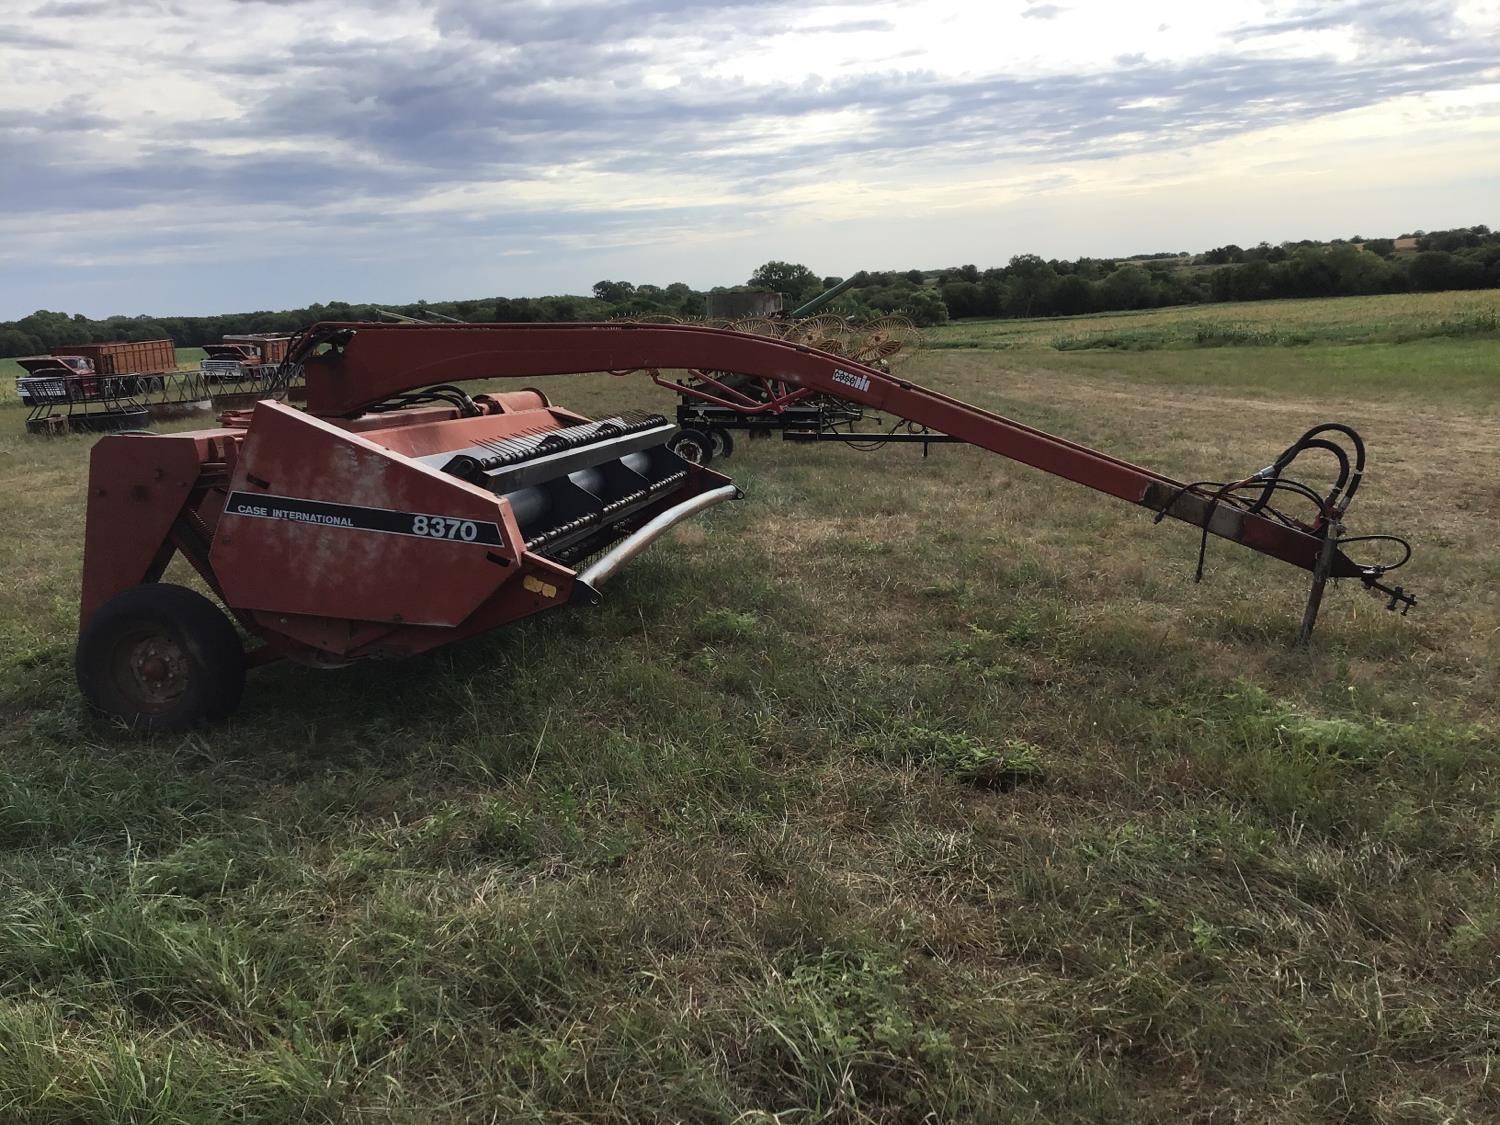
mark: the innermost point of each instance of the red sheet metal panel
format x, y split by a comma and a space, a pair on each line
138, 486
325, 523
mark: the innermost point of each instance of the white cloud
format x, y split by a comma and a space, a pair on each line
461, 147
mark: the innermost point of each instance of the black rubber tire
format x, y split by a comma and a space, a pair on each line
723, 441
693, 446
203, 655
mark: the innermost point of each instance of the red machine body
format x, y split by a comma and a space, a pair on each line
385, 519
331, 540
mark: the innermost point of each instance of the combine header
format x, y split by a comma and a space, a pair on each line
398, 513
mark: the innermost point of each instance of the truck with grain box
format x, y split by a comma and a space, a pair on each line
93, 371
244, 357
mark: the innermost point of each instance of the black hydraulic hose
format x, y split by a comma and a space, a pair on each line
1296, 450
1342, 493
1331, 427
877, 440
1296, 488
1382, 568
1325, 427
1270, 481
442, 392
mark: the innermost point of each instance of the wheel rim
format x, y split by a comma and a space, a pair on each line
150, 669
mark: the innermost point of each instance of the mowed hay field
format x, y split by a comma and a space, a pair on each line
1384, 319
902, 790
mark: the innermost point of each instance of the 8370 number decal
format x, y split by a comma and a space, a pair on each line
445, 527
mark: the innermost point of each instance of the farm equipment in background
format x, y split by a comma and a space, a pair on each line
124, 386
244, 360
711, 405
235, 372
134, 365
41, 367
399, 513
139, 363
92, 388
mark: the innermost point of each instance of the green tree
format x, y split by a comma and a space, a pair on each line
793, 281
15, 342
1432, 270
925, 308
1221, 255
613, 291
1072, 295
1358, 271
963, 298
1128, 287
1030, 280
515, 310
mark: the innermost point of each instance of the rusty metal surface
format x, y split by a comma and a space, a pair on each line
138, 486
265, 347
126, 357
309, 562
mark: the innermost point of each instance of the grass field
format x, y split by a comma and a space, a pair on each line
902, 790
1385, 319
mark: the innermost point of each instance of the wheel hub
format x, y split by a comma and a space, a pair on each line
158, 669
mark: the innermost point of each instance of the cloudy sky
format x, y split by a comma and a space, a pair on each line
197, 156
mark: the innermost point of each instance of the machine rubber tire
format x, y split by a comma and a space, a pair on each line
693, 446
160, 658
723, 441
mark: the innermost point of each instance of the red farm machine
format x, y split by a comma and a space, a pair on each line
322, 530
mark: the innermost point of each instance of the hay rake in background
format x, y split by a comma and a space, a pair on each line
399, 513
713, 405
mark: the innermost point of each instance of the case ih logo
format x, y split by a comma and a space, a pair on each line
849, 379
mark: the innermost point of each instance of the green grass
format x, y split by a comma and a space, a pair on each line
1337, 320
902, 790
1433, 370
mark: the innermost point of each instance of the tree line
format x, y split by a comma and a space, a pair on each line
1027, 286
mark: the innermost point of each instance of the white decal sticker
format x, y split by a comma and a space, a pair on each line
849, 379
